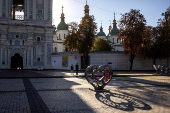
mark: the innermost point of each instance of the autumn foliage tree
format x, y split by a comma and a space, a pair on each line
150, 45
82, 36
101, 45
71, 40
132, 26
87, 30
164, 36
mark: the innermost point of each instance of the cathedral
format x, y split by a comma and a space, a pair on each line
28, 38
62, 31
26, 34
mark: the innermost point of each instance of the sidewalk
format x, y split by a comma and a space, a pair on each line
42, 92
67, 73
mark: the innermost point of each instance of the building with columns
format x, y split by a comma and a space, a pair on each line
26, 34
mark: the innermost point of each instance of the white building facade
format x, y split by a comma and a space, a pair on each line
59, 35
26, 34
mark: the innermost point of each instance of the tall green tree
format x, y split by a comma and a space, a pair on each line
132, 27
101, 45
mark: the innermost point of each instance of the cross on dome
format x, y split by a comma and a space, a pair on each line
114, 15
62, 8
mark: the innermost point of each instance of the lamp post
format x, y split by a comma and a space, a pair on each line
167, 16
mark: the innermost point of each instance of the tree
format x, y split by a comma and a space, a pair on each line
87, 31
71, 40
164, 37
132, 27
150, 46
101, 45
82, 36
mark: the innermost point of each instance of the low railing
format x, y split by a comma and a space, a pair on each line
19, 17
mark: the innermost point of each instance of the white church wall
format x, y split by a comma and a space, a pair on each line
62, 32
72, 59
117, 61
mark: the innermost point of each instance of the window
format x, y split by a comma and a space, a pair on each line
55, 49
18, 10
17, 36
38, 59
23, 42
117, 40
10, 42
38, 38
64, 36
113, 40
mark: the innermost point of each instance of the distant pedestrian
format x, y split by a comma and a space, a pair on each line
72, 69
77, 68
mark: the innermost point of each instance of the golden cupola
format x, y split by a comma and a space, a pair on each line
86, 10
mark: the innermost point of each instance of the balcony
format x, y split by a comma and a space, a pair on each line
19, 17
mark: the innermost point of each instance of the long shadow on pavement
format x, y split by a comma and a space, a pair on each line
152, 91
121, 101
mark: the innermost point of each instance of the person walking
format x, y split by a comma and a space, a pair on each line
77, 68
72, 69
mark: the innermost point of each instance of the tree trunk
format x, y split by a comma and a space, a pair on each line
131, 61
86, 59
131, 64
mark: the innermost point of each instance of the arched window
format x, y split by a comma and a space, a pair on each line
55, 49
18, 10
38, 38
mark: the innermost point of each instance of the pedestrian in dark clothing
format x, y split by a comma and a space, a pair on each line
72, 69
77, 68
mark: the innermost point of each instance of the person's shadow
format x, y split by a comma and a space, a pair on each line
120, 101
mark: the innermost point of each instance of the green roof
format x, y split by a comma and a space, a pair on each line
101, 33
114, 31
62, 26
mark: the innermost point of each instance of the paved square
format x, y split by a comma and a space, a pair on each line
73, 94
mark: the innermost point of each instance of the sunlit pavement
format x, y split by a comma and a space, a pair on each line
73, 94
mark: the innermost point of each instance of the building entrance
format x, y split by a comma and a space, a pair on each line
17, 61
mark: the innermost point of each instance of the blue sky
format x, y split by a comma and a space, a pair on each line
103, 10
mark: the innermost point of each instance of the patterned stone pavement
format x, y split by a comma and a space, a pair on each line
150, 94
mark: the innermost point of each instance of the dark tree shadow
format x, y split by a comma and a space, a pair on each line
156, 92
120, 101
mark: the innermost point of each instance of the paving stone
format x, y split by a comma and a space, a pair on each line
142, 94
14, 102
